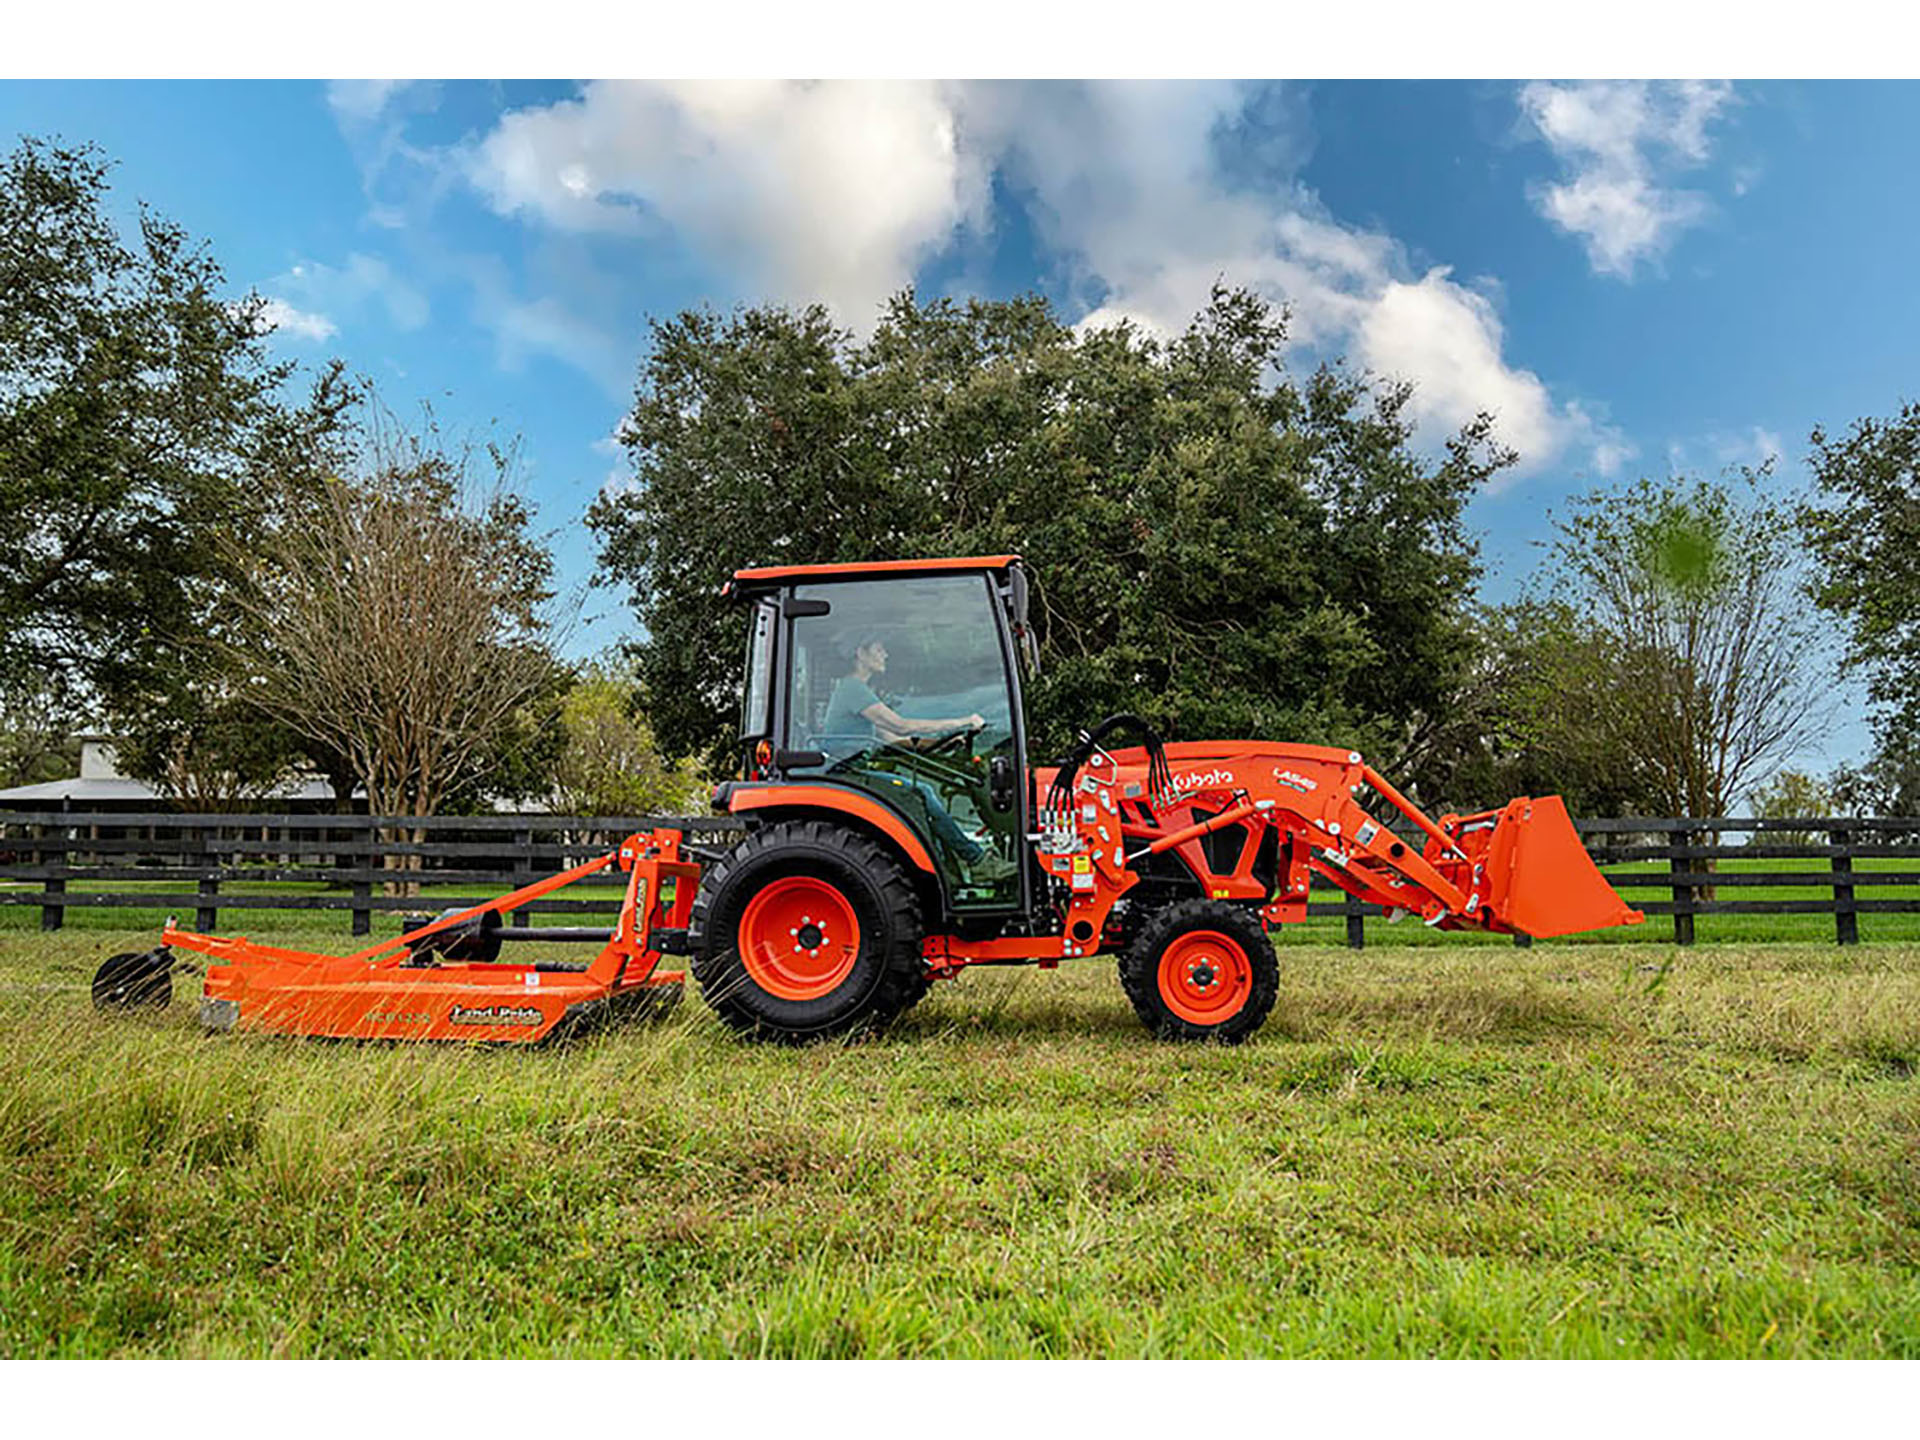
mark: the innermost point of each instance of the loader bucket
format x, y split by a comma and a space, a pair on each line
1539, 879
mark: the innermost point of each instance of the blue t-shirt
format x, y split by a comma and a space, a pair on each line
847, 730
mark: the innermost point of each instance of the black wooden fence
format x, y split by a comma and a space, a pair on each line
191, 864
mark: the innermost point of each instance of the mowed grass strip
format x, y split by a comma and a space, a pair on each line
1566, 1151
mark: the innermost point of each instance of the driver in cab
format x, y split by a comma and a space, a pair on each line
854, 703
855, 707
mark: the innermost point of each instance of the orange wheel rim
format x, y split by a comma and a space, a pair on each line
799, 938
1205, 977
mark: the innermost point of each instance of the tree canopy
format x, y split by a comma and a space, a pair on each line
1215, 544
398, 617
1537, 715
138, 402
1864, 534
1686, 659
608, 763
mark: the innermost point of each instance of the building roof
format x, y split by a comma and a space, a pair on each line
101, 783
121, 791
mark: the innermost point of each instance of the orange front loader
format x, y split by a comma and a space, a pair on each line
895, 834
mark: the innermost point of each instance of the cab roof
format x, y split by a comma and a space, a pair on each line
768, 576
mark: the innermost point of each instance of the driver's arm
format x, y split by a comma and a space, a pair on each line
896, 729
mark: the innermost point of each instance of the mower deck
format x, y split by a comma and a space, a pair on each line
416, 986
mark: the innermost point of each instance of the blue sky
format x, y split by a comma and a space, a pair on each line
1637, 278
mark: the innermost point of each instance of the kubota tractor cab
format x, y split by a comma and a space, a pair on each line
932, 644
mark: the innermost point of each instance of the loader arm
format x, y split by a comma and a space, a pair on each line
1517, 870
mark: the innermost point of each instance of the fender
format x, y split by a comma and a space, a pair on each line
856, 803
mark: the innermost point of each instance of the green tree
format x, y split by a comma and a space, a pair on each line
1864, 532
609, 764
207, 746
1791, 795
1700, 665
1216, 545
36, 742
399, 617
1887, 785
1534, 717
138, 403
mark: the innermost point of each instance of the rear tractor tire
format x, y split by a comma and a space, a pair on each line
805, 931
1201, 970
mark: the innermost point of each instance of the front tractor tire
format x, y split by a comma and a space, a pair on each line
805, 931
1201, 970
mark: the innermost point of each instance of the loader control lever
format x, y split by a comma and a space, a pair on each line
1000, 782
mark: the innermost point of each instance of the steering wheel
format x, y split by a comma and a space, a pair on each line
951, 739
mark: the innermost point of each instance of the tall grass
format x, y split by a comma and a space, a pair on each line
1572, 1150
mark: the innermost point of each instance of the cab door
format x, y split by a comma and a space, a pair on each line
882, 678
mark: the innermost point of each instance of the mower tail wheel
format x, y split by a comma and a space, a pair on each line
807, 930
132, 981
1201, 970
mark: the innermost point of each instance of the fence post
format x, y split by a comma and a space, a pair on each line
1846, 921
1356, 925
363, 887
53, 915
1682, 894
206, 918
523, 871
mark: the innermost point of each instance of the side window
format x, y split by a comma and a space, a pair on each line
756, 719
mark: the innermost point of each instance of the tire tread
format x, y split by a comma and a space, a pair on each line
1140, 970
724, 985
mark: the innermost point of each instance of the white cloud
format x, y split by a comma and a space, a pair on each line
362, 100
1724, 450
838, 192
1617, 143
829, 191
364, 280
1611, 454
1451, 338
278, 316
1753, 446
544, 326
1127, 183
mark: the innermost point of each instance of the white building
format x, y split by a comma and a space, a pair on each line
101, 786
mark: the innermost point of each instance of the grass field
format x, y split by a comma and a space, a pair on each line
1571, 1150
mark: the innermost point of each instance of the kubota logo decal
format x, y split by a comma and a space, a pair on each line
1204, 780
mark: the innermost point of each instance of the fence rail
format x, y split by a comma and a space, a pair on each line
356, 859
362, 861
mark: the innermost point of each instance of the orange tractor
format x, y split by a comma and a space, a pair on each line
896, 834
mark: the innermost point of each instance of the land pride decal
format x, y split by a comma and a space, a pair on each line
496, 1015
